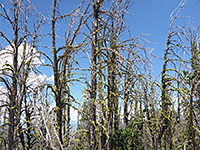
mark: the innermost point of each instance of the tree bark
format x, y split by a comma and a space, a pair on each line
56, 77
94, 47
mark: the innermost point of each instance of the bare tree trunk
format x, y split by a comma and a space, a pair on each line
56, 77
110, 110
101, 101
13, 99
66, 90
126, 98
165, 98
191, 124
113, 108
164, 121
92, 138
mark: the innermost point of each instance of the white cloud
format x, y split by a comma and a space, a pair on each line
6, 55
73, 114
3, 92
50, 79
35, 80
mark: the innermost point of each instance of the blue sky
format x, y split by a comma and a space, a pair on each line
153, 17
146, 16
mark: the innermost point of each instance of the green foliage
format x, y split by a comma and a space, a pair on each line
128, 138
